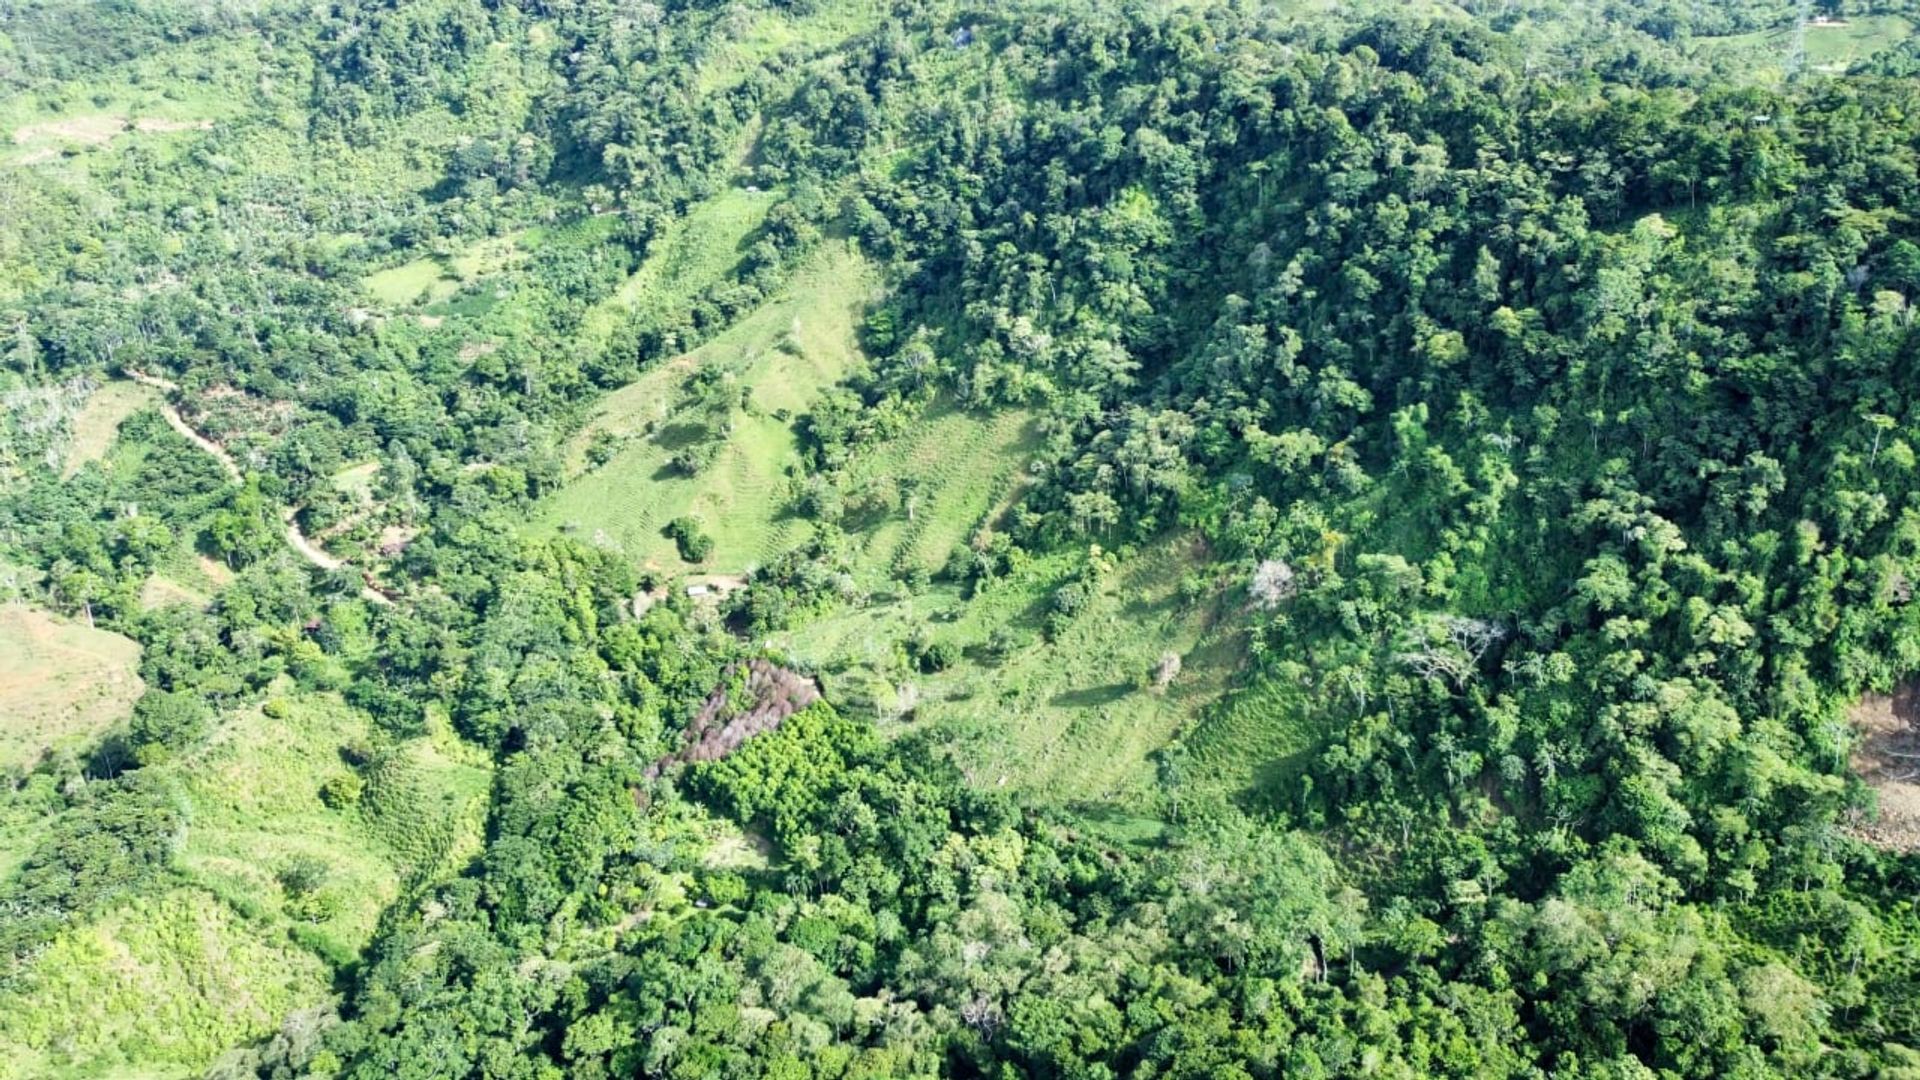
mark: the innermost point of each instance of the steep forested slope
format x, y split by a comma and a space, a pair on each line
1051, 539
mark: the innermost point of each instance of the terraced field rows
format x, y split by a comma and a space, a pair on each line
1257, 741
966, 488
963, 464
1064, 720
786, 354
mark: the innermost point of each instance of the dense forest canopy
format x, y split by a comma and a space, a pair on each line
865, 539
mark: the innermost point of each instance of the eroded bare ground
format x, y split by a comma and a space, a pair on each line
101, 129
1887, 757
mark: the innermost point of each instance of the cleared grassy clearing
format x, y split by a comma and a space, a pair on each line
162, 983
1830, 48
100, 419
160, 591
1064, 721
419, 281
692, 253
183, 576
783, 355
152, 101
748, 40
962, 467
356, 481
1837, 46
433, 279
61, 684
255, 794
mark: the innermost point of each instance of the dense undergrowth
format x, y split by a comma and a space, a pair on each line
1332, 543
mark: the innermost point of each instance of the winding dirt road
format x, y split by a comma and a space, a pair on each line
289, 516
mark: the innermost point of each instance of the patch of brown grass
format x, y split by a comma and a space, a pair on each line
61, 684
99, 421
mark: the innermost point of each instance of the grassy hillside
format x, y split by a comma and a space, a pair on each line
1254, 743
158, 987
752, 38
152, 103
256, 794
963, 469
1065, 716
433, 279
780, 357
1827, 47
274, 889
691, 253
62, 683
99, 420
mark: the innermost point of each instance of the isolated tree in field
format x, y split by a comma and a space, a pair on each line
685, 532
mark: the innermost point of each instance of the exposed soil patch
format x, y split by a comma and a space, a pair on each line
714, 586
86, 130
154, 123
1887, 757
100, 130
394, 539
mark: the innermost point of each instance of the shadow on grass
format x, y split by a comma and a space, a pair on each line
1092, 696
1120, 826
1275, 782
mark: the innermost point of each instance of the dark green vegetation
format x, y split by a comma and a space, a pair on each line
1332, 540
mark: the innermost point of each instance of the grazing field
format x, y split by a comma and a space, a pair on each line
782, 356
421, 280
689, 255
1067, 720
165, 981
154, 101
1837, 46
433, 279
61, 683
1828, 48
99, 420
965, 468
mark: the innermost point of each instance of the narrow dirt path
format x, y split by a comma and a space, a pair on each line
154, 381
308, 550
171, 414
289, 516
